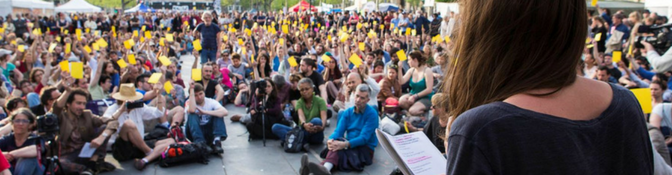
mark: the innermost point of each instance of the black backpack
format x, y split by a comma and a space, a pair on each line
294, 140
177, 154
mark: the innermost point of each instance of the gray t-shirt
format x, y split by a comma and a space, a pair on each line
238, 70
664, 110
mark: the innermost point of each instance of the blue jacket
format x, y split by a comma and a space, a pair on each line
359, 127
624, 29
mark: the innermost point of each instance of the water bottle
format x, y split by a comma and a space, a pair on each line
287, 113
290, 141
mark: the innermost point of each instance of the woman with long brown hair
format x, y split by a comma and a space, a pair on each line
520, 107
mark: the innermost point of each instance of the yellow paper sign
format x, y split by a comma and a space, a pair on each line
143, 27
243, 50
344, 37
21, 48
598, 36
13, 42
148, 34
135, 33
225, 38
169, 37
447, 39
197, 45
593, 3
168, 86
122, 64
401, 55
248, 32
88, 30
95, 46
67, 48
87, 49
196, 74
36, 32
58, 38
356, 60
292, 61
77, 70
362, 46
382, 27
162, 42
408, 32
154, 78
65, 65
630, 49
644, 97
101, 42
78, 32
616, 56
285, 29
165, 61
282, 41
240, 42
168, 29
142, 39
129, 43
329, 37
326, 58
413, 32
359, 26
131, 59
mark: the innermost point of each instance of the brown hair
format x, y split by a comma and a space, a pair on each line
417, 55
540, 49
235, 56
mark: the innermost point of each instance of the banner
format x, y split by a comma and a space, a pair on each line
181, 8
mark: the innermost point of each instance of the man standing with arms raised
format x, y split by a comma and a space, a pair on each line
209, 34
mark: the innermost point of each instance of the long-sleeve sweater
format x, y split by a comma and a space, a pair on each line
360, 127
389, 88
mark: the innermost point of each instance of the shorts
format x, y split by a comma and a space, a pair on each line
426, 102
124, 150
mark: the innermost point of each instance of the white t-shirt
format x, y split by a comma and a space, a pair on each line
209, 104
664, 110
137, 115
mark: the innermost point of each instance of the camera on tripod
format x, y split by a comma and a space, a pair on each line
47, 125
261, 87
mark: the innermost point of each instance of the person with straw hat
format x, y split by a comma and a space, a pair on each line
131, 113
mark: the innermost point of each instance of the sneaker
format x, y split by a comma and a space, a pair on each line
318, 169
217, 148
306, 147
328, 123
304, 162
139, 164
86, 172
106, 167
236, 118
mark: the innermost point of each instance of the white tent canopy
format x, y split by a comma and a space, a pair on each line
662, 7
77, 6
32, 4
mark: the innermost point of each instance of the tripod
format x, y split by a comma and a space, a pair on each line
263, 118
48, 150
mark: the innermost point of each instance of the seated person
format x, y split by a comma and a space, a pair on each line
237, 68
27, 92
421, 81
272, 111
12, 104
353, 80
129, 140
205, 119
436, 127
389, 85
359, 123
79, 126
18, 147
312, 115
332, 74
48, 96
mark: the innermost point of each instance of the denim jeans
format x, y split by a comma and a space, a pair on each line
281, 130
204, 133
27, 166
208, 55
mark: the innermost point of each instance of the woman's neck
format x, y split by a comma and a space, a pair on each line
658, 100
308, 100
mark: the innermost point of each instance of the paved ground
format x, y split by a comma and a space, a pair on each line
243, 157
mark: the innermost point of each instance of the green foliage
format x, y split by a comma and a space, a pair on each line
112, 3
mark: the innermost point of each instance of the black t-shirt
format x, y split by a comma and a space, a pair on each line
500, 138
317, 80
8, 143
433, 130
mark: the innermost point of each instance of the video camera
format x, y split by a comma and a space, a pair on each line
47, 126
661, 41
261, 87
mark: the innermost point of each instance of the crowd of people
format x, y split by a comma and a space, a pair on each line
112, 78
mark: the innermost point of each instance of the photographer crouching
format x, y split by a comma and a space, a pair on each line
78, 127
265, 103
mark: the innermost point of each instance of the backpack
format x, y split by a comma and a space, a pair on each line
183, 151
294, 140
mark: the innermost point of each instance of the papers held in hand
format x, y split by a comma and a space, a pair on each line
413, 153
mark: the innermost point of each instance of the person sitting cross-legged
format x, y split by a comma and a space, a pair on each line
359, 123
205, 121
312, 115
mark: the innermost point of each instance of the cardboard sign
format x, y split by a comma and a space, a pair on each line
401, 55
77, 70
155, 78
196, 74
131, 59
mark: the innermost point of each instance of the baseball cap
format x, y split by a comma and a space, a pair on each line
4, 52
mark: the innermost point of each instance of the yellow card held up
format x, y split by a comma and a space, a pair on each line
292, 61
101, 42
131, 59
401, 55
21, 48
240, 42
408, 32
248, 32
644, 97
169, 37
282, 41
67, 48
285, 29
78, 32
326, 58
225, 38
144, 27
155, 78
88, 30
65, 65
77, 70
593, 3
413, 32
122, 64
148, 34
129, 43
95, 46
196, 74
164, 60
162, 42
87, 49
168, 86
329, 37
362, 46
197, 45
356, 60
616, 56
598, 36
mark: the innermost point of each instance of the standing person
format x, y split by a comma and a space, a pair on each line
209, 34
515, 118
